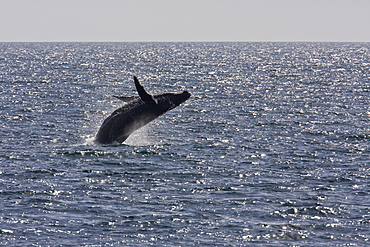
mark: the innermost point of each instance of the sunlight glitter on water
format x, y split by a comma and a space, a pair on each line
272, 149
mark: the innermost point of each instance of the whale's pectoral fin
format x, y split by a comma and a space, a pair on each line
125, 99
147, 98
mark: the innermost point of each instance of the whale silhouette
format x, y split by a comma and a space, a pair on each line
137, 112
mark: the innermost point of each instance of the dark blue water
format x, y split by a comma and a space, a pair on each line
272, 149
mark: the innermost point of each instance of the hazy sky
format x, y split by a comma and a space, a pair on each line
185, 20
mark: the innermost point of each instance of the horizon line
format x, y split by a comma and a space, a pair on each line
183, 41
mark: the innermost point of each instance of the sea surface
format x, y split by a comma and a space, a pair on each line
272, 148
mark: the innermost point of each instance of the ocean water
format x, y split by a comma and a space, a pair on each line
272, 149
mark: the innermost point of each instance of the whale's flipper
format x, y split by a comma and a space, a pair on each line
125, 99
147, 98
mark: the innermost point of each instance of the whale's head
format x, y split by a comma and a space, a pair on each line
168, 101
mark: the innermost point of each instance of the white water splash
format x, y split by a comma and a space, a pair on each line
140, 137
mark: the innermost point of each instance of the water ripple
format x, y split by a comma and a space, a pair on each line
271, 149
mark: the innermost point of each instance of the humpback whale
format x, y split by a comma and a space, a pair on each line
137, 112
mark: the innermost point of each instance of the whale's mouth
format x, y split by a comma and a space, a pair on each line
184, 95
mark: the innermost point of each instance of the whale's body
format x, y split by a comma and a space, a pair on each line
136, 113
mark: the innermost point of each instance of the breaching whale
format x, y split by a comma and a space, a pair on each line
137, 112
